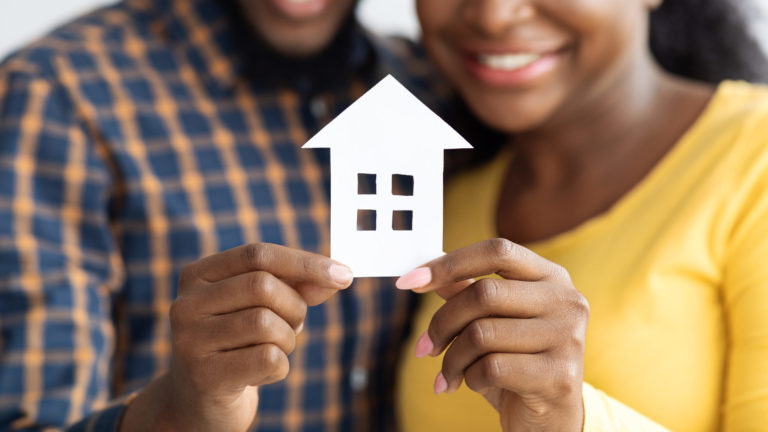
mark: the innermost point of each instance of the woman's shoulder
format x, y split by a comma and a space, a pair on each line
740, 104
736, 128
737, 120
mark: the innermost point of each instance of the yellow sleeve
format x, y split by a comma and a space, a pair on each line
745, 298
605, 414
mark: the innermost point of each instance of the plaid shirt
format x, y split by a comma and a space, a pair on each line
141, 138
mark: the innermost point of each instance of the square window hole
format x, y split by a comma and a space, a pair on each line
366, 220
402, 184
366, 184
402, 220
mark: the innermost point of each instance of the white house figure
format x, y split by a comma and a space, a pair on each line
386, 181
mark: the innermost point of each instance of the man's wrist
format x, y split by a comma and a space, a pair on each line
150, 409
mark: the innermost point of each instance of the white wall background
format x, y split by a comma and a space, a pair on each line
760, 24
24, 20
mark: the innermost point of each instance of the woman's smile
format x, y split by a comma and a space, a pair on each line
511, 68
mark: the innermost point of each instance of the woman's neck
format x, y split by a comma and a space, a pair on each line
640, 110
598, 121
583, 163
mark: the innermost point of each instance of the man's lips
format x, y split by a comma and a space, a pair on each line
300, 9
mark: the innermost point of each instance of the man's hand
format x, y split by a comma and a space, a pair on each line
518, 341
234, 323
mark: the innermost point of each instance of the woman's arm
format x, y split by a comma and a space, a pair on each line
745, 298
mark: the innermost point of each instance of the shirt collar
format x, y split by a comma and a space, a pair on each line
214, 37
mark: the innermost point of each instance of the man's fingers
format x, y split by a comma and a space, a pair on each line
255, 365
485, 298
313, 294
283, 262
245, 328
499, 256
490, 335
249, 290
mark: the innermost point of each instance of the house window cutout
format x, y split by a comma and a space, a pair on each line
402, 185
366, 184
366, 220
402, 220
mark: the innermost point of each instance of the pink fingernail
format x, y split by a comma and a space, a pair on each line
424, 346
414, 279
441, 384
340, 274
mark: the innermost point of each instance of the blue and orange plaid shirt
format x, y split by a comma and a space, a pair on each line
143, 137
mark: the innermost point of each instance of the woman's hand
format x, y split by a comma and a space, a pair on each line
518, 341
233, 325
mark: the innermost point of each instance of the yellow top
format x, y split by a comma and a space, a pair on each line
676, 274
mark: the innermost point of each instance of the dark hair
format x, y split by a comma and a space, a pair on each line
707, 40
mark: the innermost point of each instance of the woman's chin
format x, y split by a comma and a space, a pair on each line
513, 121
509, 114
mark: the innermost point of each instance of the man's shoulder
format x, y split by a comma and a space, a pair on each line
79, 44
399, 47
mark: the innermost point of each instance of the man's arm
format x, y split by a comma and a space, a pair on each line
58, 262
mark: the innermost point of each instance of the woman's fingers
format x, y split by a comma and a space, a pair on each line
493, 335
526, 375
245, 328
518, 341
499, 256
485, 298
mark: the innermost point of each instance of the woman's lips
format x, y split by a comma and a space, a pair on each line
510, 69
300, 9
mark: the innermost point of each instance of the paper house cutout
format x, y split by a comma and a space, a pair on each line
386, 139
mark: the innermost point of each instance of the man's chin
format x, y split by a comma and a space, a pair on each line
300, 10
297, 28
298, 46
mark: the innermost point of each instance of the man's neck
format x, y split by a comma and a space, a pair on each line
347, 55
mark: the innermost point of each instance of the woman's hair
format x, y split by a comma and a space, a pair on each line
708, 40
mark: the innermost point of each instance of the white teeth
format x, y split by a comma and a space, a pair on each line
507, 62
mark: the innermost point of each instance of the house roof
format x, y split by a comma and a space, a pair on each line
388, 115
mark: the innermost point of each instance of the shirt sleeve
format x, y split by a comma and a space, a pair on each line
605, 414
745, 297
59, 266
